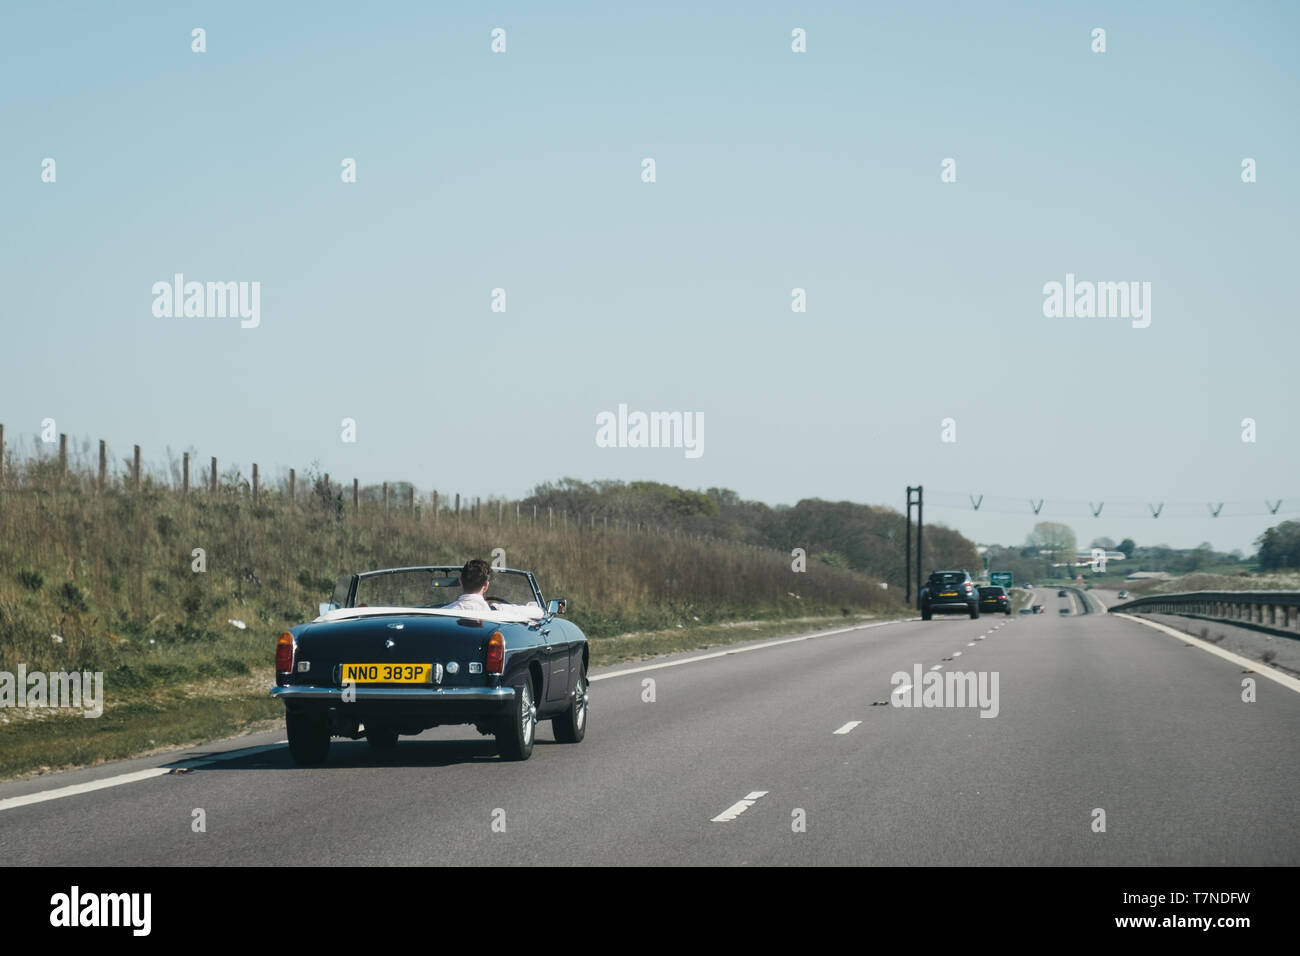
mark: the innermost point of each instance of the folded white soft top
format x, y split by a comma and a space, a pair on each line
503, 614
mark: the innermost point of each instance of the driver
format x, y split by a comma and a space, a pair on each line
474, 578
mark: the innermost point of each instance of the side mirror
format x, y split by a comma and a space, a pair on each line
557, 606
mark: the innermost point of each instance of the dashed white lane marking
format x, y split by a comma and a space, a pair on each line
956, 653
92, 785
971, 644
901, 689
739, 807
1263, 670
848, 727
744, 650
937, 667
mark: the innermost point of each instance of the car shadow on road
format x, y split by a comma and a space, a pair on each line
358, 754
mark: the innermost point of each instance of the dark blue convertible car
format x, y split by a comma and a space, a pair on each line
386, 657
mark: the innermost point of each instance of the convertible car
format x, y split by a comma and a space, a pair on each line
386, 657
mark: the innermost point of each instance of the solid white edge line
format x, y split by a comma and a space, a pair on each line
1259, 667
742, 650
91, 786
847, 728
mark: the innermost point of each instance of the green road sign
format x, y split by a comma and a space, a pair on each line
1001, 578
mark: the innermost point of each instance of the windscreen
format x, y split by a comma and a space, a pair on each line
436, 587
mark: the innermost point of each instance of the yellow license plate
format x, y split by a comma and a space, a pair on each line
948, 594
387, 673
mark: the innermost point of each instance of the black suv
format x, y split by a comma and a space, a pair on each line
949, 592
995, 598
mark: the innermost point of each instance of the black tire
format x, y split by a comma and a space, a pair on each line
309, 738
381, 738
516, 733
974, 612
571, 726
1008, 612
925, 615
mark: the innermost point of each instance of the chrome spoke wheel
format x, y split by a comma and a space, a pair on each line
581, 704
528, 721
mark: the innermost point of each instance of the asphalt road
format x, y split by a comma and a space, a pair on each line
1093, 713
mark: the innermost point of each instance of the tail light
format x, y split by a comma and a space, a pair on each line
284, 653
496, 653
968, 587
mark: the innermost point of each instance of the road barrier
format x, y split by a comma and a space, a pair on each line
1274, 611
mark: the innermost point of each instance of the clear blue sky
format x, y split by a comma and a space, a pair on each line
775, 170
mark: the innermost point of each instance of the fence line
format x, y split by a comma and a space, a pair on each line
134, 479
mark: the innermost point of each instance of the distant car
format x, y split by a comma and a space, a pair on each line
1038, 609
994, 598
1027, 586
1061, 593
1123, 595
949, 592
386, 657
1065, 610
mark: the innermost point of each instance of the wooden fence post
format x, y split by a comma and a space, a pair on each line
212, 485
135, 468
63, 455
103, 464
385, 496
293, 487
255, 483
185, 473
410, 498
435, 509
458, 506
356, 495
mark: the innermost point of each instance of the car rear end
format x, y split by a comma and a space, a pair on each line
950, 592
994, 599
404, 672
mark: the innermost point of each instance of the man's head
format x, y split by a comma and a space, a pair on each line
474, 576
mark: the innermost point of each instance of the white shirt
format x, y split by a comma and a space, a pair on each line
469, 602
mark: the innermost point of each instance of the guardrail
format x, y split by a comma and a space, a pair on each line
1277, 611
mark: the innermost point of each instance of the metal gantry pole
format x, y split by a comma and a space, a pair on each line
920, 524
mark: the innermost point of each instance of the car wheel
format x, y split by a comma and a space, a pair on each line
309, 738
571, 726
925, 615
381, 738
974, 611
1008, 612
516, 732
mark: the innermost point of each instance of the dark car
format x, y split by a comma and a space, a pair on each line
387, 657
1061, 593
995, 598
1038, 609
949, 592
